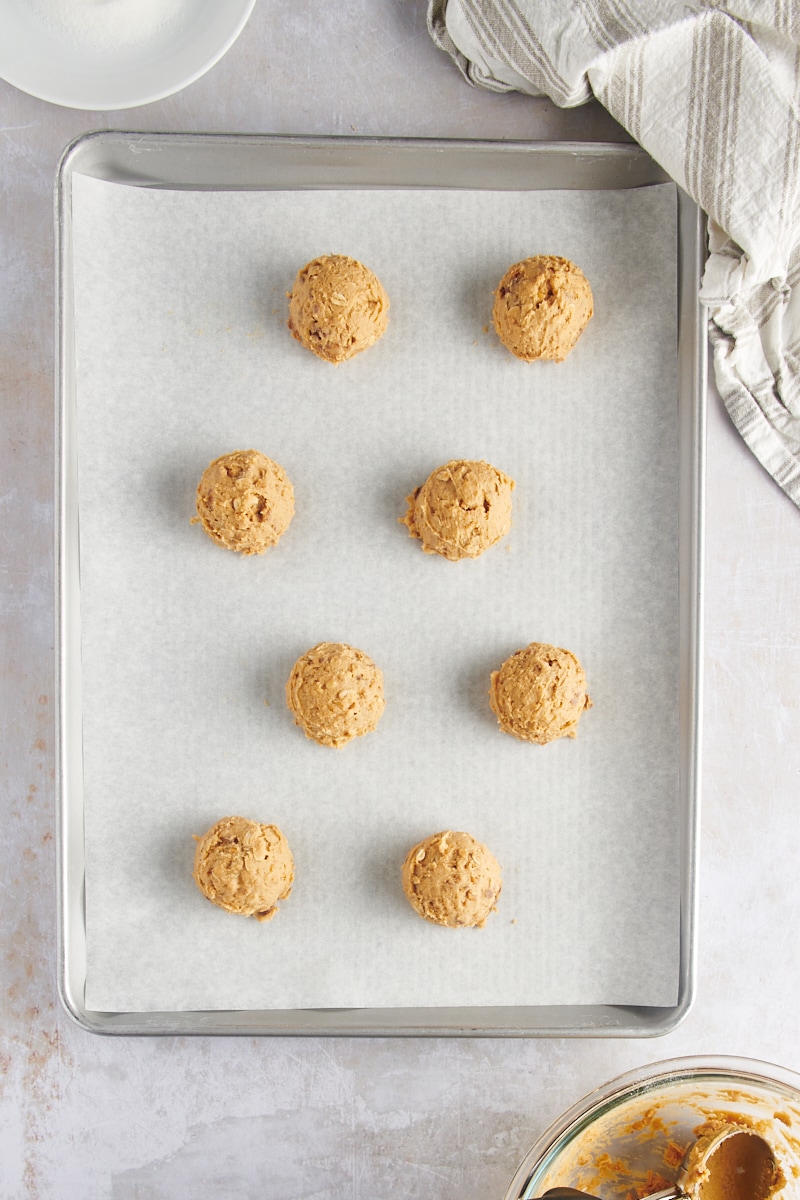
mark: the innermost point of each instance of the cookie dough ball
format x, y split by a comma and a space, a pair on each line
335, 693
244, 867
244, 501
337, 307
541, 307
461, 509
539, 694
451, 879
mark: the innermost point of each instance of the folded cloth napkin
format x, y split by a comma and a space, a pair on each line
711, 91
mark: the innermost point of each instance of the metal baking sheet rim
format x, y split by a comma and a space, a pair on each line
232, 162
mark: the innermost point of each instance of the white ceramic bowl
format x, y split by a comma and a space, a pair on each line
610, 1142
111, 54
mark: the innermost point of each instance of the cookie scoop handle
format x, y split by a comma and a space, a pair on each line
562, 1193
565, 1193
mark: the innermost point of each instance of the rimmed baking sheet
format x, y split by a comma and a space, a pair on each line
175, 255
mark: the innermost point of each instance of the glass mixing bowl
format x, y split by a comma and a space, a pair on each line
629, 1136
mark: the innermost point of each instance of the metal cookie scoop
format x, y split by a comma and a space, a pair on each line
732, 1163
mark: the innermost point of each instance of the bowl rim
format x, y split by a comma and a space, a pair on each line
639, 1080
47, 70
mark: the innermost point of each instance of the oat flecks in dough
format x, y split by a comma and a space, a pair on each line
452, 879
245, 501
244, 867
460, 510
337, 307
335, 693
541, 307
539, 694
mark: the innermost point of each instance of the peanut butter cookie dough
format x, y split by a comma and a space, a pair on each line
460, 510
730, 1162
245, 502
337, 307
335, 693
244, 867
451, 879
541, 307
539, 694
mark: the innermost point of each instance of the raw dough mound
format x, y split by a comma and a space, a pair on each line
451, 879
245, 501
337, 307
539, 693
335, 693
244, 867
461, 509
541, 307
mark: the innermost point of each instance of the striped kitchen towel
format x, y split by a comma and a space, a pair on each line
712, 92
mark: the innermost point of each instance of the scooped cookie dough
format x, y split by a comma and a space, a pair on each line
245, 501
335, 693
451, 879
539, 694
731, 1162
244, 867
337, 307
460, 510
541, 307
